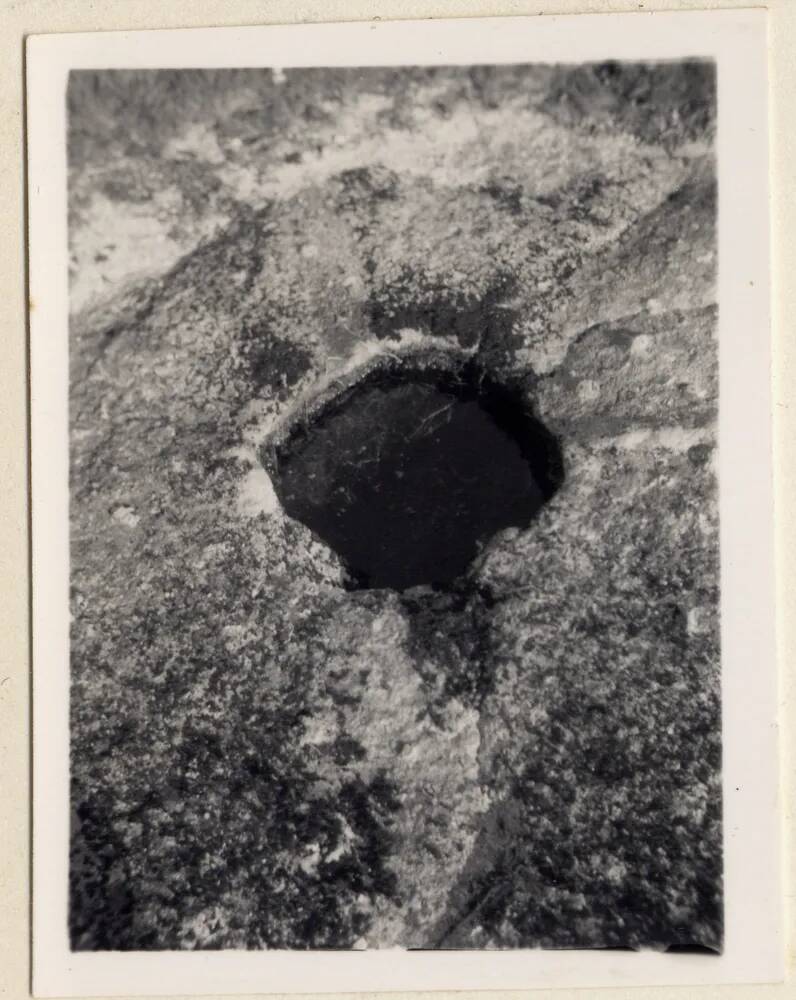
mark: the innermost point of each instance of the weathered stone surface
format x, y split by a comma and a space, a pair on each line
264, 758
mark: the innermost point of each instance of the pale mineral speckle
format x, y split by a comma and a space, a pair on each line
256, 494
588, 390
126, 516
700, 620
642, 344
672, 438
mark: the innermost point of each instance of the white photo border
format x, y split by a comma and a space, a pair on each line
737, 40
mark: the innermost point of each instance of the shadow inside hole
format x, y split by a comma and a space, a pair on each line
408, 471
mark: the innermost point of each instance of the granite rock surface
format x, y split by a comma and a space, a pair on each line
263, 757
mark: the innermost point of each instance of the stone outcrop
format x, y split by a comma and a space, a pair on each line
264, 757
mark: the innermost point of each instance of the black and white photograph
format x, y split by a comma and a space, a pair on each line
394, 562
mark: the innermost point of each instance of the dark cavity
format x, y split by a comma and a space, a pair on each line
407, 473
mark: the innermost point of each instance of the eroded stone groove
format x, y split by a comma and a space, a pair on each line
409, 471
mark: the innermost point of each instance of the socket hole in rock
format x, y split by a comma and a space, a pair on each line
406, 473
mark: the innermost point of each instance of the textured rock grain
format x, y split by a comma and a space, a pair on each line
264, 758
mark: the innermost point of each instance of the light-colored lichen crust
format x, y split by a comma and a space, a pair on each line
264, 758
